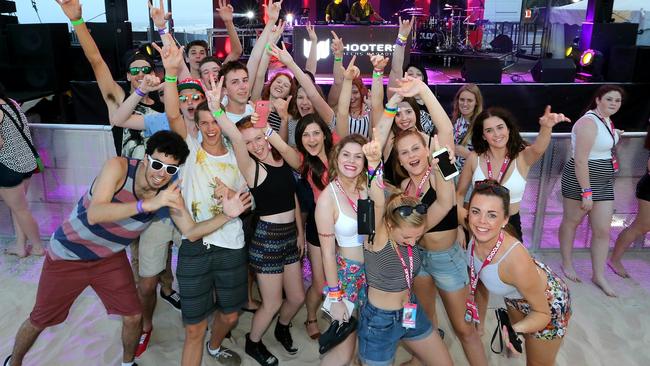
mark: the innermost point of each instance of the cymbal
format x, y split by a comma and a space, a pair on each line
411, 9
452, 7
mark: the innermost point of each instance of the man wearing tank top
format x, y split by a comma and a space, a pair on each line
88, 248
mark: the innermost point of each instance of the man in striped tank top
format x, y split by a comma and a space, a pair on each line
88, 248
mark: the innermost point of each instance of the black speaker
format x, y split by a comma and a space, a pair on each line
622, 63
501, 44
549, 70
113, 44
603, 36
482, 70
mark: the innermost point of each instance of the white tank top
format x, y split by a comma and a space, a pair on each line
345, 227
602, 147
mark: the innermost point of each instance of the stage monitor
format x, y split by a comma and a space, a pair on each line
482, 70
359, 40
550, 70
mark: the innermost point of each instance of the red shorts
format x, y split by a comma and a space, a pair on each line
62, 281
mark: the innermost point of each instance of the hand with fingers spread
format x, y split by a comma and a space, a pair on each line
158, 15
276, 33
172, 57
551, 119
281, 106
405, 26
409, 86
337, 45
221, 191
213, 95
71, 8
169, 197
280, 53
311, 32
379, 62
351, 72
225, 11
273, 10
372, 150
236, 204
149, 83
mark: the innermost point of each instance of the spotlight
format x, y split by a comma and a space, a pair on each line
250, 14
591, 65
569, 52
289, 18
587, 57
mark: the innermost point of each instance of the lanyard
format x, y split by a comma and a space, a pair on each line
418, 191
338, 185
473, 282
408, 275
504, 167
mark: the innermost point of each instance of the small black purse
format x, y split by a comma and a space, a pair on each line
335, 334
504, 319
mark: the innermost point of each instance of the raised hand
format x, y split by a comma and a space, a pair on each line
337, 45
379, 62
551, 119
280, 53
172, 57
277, 31
394, 100
311, 32
71, 8
436, 147
405, 26
225, 11
158, 15
236, 204
214, 94
351, 72
169, 197
372, 150
273, 10
282, 107
409, 86
150, 83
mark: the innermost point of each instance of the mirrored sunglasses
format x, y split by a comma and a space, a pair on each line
135, 70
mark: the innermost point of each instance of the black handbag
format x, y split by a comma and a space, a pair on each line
336, 334
504, 319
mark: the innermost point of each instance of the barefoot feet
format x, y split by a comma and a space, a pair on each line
604, 285
617, 267
570, 273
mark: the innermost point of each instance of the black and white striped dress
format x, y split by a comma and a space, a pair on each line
601, 170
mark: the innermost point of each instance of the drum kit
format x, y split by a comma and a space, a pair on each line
447, 33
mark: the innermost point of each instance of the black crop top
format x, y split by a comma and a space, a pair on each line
448, 222
276, 194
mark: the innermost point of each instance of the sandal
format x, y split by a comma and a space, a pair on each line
314, 335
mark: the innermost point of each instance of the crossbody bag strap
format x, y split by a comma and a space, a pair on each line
497, 332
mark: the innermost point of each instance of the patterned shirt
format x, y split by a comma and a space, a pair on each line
15, 153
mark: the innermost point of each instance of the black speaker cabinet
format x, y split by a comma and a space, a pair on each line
482, 70
603, 36
548, 70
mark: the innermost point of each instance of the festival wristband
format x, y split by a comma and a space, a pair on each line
79, 21
170, 78
138, 206
268, 132
162, 31
217, 113
586, 190
394, 109
333, 289
377, 74
399, 42
389, 114
140, 93
338, 59
403, 38
587, 195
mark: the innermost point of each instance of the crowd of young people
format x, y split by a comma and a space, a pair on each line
200, 147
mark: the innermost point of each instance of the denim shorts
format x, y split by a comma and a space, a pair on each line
381, 330
447, 267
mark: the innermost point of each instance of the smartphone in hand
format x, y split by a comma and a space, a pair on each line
447, 169
262, 108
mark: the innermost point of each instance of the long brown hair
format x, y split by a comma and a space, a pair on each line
600, 92
400, 172
478, 108
416, 109
333, 170
515, 142
312, 164
491, 187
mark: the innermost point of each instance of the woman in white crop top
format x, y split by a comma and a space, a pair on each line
588, 183
496, 139
336, 220
537, 300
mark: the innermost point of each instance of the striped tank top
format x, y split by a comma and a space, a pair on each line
76, 239
384, 270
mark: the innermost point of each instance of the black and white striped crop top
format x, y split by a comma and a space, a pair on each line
384, 270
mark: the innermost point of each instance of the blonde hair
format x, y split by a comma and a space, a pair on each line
478, 108
394, 219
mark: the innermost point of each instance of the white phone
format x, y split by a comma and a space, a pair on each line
447, 169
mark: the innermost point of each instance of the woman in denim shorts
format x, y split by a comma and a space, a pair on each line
444, 264
392, 261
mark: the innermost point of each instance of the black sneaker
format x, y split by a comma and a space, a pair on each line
283, 335
174, 299
258, 351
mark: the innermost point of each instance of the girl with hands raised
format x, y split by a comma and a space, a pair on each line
352, 114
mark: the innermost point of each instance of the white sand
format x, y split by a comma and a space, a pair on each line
603, 331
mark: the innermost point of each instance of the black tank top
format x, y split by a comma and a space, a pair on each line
448, 222
276, 194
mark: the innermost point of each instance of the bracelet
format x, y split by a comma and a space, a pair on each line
335, 295
403, 38
170, 78
399, 42
217, 113
140, 93
162, 31
390, 114
138, 206
338, 59
389, 109
587, 195
268, 46
377, 74
79, 21
334, 289
586, 190
268, 132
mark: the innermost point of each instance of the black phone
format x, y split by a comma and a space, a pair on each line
366, 216
447, 169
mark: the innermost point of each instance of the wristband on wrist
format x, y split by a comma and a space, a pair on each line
170, 78
217, 113
587, 195
377, 74
338, 59
399, 42
140, 93
138, 206
268, 132
390, 114
162, 31
333, 289
394, 109
403, 38
79, 21
586, 190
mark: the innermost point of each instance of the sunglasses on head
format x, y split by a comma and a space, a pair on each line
157, 165
406, 211
490, 184
135, 70
185, 98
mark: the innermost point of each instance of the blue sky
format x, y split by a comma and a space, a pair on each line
188, 14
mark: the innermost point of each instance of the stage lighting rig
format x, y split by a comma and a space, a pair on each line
591, 63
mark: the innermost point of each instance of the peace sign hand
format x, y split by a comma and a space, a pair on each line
214, 94
225, 11
312, 33
372, 150
158, 15
351, 72
171, 55
551, 119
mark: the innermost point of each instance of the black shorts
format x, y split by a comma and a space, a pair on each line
311, 232
272, 247
10, 178
210, 278
643, 188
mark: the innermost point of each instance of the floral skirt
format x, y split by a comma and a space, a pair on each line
352, 280
559, 301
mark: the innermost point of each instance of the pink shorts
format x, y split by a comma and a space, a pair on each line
62, 281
